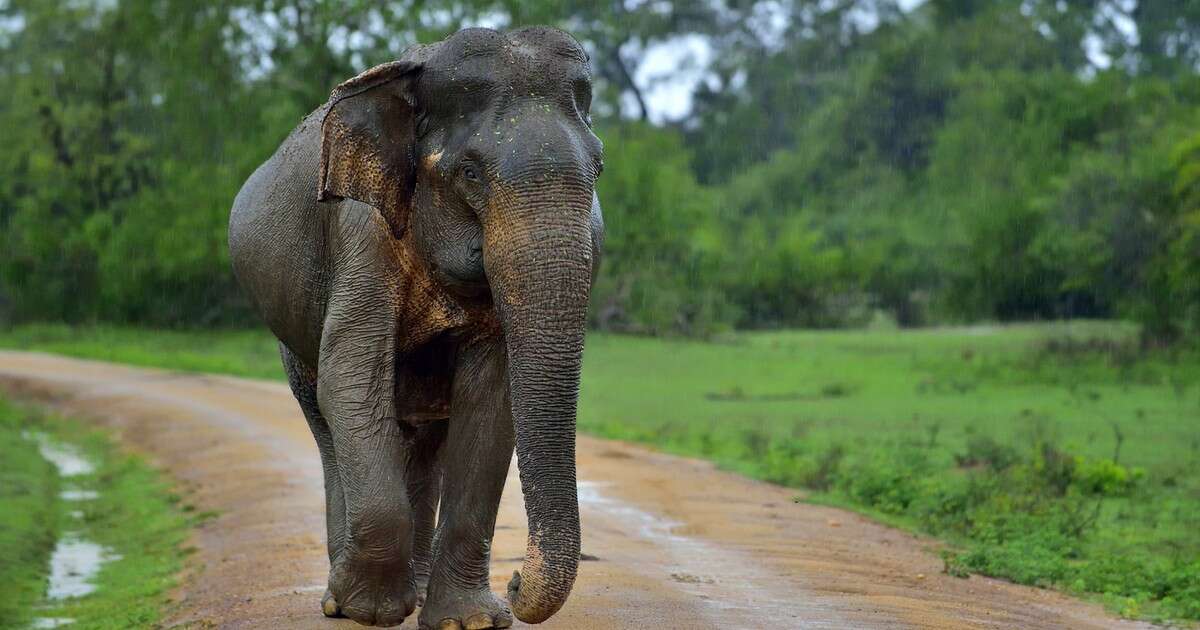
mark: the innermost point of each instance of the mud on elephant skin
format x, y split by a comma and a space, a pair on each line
423, 245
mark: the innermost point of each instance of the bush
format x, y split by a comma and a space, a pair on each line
888, 480
983, 450
1026, 513
1105, 477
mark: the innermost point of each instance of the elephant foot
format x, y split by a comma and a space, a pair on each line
329, 606
370, 595
453, 609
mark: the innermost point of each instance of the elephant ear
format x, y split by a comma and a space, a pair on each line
367, 137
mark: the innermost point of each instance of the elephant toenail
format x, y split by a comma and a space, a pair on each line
478, 621
449, 624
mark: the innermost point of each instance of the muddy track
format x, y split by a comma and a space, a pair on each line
669, 542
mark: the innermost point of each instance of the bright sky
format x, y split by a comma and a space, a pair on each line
670, 71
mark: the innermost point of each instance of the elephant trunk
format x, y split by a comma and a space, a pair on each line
538, 257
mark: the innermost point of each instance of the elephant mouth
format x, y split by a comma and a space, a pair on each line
474, 290
463, 285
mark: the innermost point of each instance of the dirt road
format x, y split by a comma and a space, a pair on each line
676, 544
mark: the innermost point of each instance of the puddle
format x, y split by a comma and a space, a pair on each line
75, 560
73, 565
74, 494
65, 457
51, 622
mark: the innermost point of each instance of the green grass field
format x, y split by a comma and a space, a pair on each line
1059, 455
134, 515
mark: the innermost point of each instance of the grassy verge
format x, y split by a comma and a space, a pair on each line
253, 354
134, 515
1056, 455
28, 520
1052, 455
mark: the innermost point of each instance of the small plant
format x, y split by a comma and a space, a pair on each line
836, 390
822, 475
885, 479
985, 451
1104, 477
755, 442
952, 564
932, 432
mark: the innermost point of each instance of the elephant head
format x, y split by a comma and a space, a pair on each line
479, 151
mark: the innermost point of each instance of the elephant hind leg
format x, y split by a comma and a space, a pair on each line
303, 381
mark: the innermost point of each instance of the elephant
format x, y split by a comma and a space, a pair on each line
423, 246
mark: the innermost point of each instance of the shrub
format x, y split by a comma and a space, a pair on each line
983, 450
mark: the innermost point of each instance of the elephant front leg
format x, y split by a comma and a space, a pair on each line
424, 490
371, 578
475, 460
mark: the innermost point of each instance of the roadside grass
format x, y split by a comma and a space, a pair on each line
1060, 455
1057, 455
135, 516
28, 520
248, 353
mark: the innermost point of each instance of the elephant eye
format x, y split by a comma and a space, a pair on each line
471, 186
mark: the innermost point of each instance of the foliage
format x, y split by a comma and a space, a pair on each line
660, 242
843, 162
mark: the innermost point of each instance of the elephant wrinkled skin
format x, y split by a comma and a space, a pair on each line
423, 245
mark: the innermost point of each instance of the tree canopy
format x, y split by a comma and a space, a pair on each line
938, 161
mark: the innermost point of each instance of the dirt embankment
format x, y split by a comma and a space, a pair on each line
669, 542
